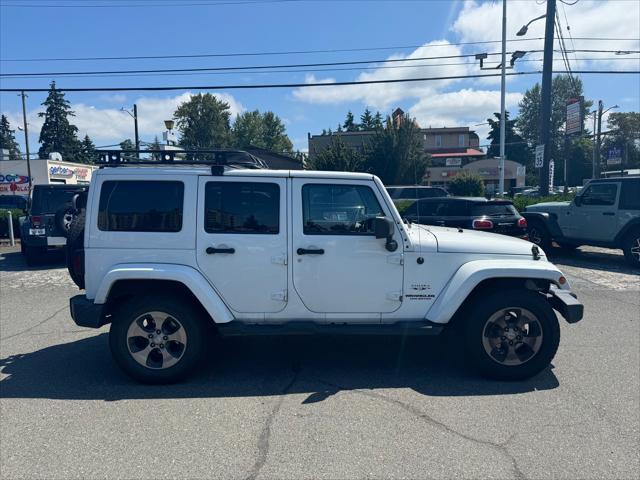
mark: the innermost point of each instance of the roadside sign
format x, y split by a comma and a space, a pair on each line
552, 166
539, 156
614, 156
574, 119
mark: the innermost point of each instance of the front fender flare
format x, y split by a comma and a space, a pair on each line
188, 276
469, 276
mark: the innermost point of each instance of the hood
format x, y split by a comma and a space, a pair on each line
452, 240
547, 206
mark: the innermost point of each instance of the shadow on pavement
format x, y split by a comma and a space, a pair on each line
605, 260
319, 366
14, 261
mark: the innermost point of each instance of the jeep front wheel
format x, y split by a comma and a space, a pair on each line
539, 235
156, 339
512, 335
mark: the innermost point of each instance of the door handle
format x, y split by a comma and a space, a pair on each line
212, 250
310, 251
610, 214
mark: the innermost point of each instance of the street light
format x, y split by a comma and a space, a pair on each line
523, 30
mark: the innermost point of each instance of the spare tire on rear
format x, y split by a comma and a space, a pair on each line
75, 249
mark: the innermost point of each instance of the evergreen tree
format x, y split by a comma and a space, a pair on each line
8, 140
155, 145
57, 134
367, 121
127, 145
516, 148
88, 152
377, 121
349, 125
204, 122
263, 130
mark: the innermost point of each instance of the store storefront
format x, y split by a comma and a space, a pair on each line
487, 169
14, 177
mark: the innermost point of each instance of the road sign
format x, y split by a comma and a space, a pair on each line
574, 120
614, 156
539, 156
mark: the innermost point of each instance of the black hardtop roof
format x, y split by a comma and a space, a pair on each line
479, 200
68, 186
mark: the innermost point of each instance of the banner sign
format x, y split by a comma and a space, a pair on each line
552, 167
614, 156
574, 120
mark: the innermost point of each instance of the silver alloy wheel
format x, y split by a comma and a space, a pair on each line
156, 340
512, 336
635, 249
66, 221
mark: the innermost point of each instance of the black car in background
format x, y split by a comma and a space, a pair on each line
48, 219
497, 216
415, 192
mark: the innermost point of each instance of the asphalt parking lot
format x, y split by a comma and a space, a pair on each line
319, 407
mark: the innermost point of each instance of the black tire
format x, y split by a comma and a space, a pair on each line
477, 327
539, 234
182, 310
34, 255
75, 250
631, 248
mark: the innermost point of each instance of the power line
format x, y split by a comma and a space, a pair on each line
299, 52
302, 85
258, 67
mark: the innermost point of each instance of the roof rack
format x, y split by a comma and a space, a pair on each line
218, 158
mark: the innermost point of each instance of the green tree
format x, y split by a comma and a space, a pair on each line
264, 130
624, 128
395, 153
516, 148
528, 121
349, 124
466, 184
203, 122
8, 139
367, 121
127, 145
57, 134
155, 145
88, 152
338, 157
377, 121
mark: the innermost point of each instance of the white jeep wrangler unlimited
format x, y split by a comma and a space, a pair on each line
167, 251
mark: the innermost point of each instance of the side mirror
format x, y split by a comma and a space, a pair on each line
577, 201
383, 228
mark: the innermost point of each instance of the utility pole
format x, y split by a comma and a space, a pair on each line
598, 144
503, 121
135, 122
26, 137
594, 159
545, 107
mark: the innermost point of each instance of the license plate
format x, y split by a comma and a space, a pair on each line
36, 231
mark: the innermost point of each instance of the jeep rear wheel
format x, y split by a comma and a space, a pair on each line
512, 335
631, 248
156, 339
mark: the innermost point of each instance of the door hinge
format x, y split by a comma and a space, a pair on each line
394, 296
281, 295
397, 259
279, 260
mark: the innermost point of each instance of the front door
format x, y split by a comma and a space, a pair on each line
339, 266
595, 218
242, 241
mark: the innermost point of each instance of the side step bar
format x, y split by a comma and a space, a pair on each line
405, 328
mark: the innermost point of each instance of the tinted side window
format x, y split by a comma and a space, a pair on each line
242, 207
630, 195
141, 206
339, 209
424, 208
600, 194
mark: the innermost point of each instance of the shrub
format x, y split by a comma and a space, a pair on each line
466, 184
521, 202
4, 222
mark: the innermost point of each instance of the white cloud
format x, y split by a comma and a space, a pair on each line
112, 125
382, 96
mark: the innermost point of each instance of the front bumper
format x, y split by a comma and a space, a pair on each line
566, 303
86, 313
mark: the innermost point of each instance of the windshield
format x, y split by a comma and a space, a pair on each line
493, 209
50, 200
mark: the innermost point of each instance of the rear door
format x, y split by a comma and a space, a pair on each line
242, 240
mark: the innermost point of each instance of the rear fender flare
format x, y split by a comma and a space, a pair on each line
188, 276
471, 274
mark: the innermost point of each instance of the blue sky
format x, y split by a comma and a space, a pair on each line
168, 27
